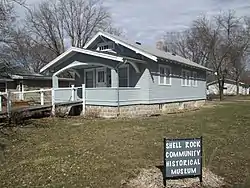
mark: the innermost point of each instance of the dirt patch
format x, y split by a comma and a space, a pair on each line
152, 178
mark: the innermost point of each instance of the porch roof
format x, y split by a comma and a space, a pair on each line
104, 55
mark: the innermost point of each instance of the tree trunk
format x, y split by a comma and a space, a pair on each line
221, 87
237, 87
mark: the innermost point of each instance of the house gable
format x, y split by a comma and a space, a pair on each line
119, 46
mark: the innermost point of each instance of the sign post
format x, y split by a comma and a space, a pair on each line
182, 158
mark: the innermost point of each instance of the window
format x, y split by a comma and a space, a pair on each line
124, 76
101, 77
164, 75
194, 83
105, 46
186, 78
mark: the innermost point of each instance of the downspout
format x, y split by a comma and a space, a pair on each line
118, 88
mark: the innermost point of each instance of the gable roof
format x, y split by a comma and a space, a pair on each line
149, 52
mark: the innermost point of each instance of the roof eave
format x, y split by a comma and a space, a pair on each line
177, 62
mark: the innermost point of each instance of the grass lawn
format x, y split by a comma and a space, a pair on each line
101, 153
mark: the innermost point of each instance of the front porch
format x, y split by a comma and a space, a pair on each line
108, 80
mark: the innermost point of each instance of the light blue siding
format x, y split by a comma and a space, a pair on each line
175, 92
109, 96
101, 96
65, 94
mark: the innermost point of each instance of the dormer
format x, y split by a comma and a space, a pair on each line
106, 46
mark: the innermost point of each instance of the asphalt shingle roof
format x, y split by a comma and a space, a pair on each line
158, 53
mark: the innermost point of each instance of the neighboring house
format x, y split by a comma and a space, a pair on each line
128, 78
230, 88
20, 79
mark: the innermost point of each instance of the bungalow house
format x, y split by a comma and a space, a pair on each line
230, 88
128, 78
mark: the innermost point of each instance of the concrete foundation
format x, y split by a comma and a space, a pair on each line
141, 110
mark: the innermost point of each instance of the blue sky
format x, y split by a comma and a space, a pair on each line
147, 20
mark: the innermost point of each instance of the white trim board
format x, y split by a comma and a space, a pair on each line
84, 51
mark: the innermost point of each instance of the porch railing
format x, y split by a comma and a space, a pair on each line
37, 97
67, 95
112, 96
54, 96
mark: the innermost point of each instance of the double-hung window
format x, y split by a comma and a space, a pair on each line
186, 75
164, 75
194, 80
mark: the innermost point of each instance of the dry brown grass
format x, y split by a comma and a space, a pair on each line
75, 152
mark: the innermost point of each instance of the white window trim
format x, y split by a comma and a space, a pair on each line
194, 81
125, 66
170, 76
190, 80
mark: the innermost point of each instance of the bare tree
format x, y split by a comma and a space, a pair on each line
236, 29
45, 24
76, 21
32, 55
82, 19
7, 20
187, 44
219, 43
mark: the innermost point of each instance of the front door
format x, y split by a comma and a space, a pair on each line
89, 78
101, 80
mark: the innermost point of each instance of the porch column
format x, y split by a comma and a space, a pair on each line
55, 82
114, 78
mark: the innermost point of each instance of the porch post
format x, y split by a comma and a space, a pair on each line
55, 81
53, 103
72, 92
114, 78
53, 95
83, 99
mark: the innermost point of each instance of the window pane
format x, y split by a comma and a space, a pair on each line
100, 76
188, 78
161, 79
162, 71
168, 72
167, 80
195, 78
183, 77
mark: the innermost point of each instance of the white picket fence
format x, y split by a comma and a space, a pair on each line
56, 96
20, 95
